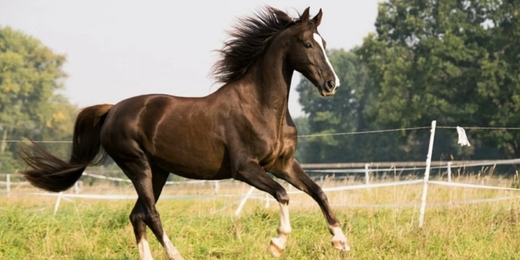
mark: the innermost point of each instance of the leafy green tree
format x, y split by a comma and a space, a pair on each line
324, 115
453, 61
30, 76
346, 112
341, 127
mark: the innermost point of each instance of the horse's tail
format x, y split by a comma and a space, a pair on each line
53, 174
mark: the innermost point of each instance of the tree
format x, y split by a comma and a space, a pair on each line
346, 112
30, 76
453, 61
337, 123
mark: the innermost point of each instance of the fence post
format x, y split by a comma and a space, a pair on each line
367, 174
76, 188
217, 187
57, 205
244, 201
8, 183
427, 175
449, 171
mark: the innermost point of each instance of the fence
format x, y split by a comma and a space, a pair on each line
345, 168
368, 183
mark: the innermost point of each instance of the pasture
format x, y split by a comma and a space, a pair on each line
380, 223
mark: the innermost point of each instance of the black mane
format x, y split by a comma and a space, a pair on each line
248, 41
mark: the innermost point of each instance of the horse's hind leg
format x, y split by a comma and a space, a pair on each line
159, 177
136, 218
148, 183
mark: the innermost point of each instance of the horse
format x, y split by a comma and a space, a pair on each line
242, 131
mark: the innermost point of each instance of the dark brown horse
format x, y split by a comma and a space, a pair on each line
241, 131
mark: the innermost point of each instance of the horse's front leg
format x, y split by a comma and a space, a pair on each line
254, 175
284, 229
294, 174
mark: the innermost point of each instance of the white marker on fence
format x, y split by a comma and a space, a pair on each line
463, 138
427, 175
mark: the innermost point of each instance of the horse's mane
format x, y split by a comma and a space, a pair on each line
248, 40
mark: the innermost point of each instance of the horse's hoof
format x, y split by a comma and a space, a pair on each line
340, 245
275, 247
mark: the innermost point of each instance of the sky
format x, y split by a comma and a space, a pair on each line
117, 49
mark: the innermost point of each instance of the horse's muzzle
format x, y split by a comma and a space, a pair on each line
329, 88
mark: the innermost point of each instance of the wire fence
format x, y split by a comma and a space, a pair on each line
368, 171
497, 128
368, 181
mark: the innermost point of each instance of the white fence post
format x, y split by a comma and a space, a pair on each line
57, 205
367, 174
427, 175
217, 187
244, 201
8, 183
76, 188
449, 171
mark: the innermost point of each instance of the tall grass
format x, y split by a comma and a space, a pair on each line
381, 223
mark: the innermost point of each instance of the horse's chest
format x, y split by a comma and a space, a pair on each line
278, 150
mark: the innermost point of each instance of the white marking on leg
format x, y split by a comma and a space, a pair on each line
284, 229
339, 240
285, 222
171, 251
144, 249
319, 40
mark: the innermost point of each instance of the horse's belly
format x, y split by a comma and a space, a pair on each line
195, 164
197, 172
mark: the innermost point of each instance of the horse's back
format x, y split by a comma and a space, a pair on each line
126, 119
178, 134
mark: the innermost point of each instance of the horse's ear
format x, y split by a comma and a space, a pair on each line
305, 16
317, 18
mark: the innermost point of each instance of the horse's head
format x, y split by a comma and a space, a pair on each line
306, 54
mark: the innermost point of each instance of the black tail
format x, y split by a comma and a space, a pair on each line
53, 174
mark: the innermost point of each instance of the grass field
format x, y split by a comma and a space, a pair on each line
206, 228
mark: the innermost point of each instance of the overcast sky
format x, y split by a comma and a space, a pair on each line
120, 48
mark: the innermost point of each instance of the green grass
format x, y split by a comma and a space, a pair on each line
202, 229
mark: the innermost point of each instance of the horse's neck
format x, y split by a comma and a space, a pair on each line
270, 81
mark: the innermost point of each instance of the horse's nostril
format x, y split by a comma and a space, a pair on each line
330, 85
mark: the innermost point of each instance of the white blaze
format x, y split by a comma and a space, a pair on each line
319, 40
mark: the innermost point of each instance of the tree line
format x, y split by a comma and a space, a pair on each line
456, 62
31, 76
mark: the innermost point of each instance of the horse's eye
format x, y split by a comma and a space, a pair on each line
307, 45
